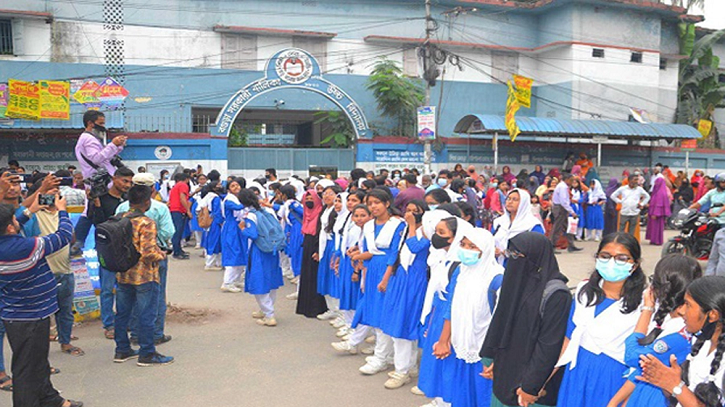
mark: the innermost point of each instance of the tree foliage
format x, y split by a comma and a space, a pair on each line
398, 97
341, 131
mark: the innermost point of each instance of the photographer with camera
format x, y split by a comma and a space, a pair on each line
100, 210
90, 151
29, 299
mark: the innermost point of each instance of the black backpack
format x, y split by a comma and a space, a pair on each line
114, 243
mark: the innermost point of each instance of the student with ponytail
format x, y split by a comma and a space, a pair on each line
326, 247
699, 381
667, 335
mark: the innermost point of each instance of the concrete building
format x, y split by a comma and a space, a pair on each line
182, 61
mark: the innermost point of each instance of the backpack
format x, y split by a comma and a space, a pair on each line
552, 286
204, 218
271, 235
114, 243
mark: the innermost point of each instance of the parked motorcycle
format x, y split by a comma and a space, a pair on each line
697, 232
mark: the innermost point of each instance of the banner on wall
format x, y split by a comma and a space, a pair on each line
23, 100
54, 100
704, 127
523, 90
111, 93
512, 106
86, 94
3, 99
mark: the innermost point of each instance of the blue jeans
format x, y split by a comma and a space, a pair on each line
145, 298
64, 317
108, 283
2, 340
179, 220
161, 311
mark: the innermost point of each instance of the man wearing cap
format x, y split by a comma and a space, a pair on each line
159, 213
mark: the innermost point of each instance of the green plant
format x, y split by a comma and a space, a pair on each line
699, 91
237, 138
398, 97
341, 132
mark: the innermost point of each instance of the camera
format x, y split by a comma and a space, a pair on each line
46, 199
98, 183
66, 181
116, 161
24, 177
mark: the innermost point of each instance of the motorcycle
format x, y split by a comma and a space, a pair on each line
697, 232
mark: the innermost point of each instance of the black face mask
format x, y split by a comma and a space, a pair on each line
418, 217
439, 241
310, 204
99, 131
268, 176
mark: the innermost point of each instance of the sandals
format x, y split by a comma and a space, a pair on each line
54, 370
4, 386
74, 403
73, 351
109, 333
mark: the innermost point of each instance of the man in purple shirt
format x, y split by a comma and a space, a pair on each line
410, 193
561, 211
90, 145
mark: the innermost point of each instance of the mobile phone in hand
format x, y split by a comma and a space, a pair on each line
46, 199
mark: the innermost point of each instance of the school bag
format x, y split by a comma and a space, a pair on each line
204, 218
114, 243
551, 287
271, 235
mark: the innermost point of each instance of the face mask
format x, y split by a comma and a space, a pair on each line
494, 185
99, 131
310, 204
418, 217
271, 194
433, 207
468, 257
613, 272
439, 241
442, 182
267, 176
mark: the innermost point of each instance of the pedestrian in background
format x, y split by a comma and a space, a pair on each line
659, 211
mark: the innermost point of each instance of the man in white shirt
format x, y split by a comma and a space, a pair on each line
633, 198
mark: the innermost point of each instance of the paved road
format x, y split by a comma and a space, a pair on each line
224, 359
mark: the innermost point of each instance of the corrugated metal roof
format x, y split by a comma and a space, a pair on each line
489, 124
114, 120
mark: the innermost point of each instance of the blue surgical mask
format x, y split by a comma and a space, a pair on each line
613, 272
442, 182
494, 185
432, 207
469, 257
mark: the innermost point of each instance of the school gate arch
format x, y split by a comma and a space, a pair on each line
291, 68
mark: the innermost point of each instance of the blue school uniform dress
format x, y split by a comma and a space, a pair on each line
596, 377
293, 229
594, 217
406, 290
213, 236
234, 253
668, 343
194, 222
385, 241
436, 378
326, 245
577, 204
349, 290
263, 272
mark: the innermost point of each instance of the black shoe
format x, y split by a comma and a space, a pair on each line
155, 359
572, 249
181, 257
125, 356
74, 403
162, 340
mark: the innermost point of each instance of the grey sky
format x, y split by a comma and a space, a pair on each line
714, 14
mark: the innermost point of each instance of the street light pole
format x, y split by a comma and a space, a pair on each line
427, 152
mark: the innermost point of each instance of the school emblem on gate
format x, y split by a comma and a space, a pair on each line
660, 346
293, 67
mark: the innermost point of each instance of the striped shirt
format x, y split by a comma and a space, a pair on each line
27, 286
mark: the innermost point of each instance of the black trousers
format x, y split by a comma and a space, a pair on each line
31, 368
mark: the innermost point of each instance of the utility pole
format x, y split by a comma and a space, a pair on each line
427, 151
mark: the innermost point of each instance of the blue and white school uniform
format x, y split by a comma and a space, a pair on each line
234, 253
699, 371
594, 359
326, 248
213, 235
578, 199
349, 290
292, 213
263, 276
404, 298
673, 340
594, 213
383, 241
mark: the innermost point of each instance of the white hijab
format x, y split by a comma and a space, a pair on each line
470, 310
524, 221
342, 218
596, 194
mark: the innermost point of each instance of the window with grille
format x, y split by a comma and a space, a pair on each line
636, 58
663, 64
239, 51
504, 66
6, 37
410, 62
598, 52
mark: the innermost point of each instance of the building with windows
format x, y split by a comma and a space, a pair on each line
184, 61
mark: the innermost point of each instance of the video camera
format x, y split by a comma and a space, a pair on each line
101, 178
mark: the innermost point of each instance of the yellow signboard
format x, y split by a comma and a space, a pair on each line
512, 106
704, 127
523, 90
54, 100
24, 100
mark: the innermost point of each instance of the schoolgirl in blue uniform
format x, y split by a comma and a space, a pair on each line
595, 213
342, 218
292, 215
404, 296
604, 313
578, 199
667, 334
326, 247
474, 288
212, 236
351, 235
381, 245
234, 253
699, 380
263, 275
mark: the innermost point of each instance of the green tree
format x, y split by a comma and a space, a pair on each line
398, 96
700, 91
341, 132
